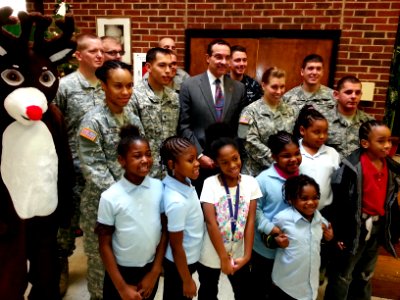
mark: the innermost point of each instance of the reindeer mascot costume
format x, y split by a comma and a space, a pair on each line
36, 166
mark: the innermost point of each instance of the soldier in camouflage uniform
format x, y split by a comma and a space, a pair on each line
311, 91
262, 118
78, 92
157, 105
98, 137
238, 68
177, 78
345, 119
180, 74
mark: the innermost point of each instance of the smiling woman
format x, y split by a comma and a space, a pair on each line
98, 135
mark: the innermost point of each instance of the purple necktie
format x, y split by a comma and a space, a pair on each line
219, 100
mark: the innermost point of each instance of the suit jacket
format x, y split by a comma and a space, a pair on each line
197, 110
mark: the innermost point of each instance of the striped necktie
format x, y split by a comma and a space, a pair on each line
219, 100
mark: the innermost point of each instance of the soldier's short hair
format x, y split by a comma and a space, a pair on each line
82, 40
343, 80
312, 58
152, 53
238, 48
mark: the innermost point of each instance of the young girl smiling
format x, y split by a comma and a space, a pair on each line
229, 206
185, 218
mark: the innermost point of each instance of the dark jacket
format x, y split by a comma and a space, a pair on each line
197, 111
347, 203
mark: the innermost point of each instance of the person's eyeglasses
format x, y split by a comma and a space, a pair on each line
115, 52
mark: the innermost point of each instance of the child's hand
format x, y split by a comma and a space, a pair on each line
275, 231
226, 266
239, 263
189, 288
328, 231
282, 240
130, 293
147, 284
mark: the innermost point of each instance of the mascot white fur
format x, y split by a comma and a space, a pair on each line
28, 147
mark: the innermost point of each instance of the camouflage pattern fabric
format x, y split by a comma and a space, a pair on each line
343, 135
159, 116
75, 96
98, 137
180, 77
322, 100
256, 124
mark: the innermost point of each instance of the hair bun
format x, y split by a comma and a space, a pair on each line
129, 130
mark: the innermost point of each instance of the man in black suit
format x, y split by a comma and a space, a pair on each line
199, 106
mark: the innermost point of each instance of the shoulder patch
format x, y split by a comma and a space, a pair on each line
88, 134
245, 120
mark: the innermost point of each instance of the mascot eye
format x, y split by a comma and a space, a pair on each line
47, 78
12, 77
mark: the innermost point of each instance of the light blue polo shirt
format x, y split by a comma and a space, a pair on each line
135, 211
296, 268
183, 210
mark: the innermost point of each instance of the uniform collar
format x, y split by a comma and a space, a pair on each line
178, 186
129, 186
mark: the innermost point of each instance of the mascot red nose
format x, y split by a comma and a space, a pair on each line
36, 166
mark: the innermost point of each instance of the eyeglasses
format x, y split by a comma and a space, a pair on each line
115, 52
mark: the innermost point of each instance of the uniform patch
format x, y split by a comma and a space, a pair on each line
88, 134
244, 120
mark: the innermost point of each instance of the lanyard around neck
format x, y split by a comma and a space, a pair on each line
233, 215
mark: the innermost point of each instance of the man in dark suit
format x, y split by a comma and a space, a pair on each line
200, 100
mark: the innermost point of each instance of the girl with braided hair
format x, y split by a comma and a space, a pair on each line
185, 218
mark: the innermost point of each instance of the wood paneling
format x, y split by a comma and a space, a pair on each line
282, 48
386, 280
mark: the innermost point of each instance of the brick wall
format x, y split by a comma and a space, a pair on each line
368, 27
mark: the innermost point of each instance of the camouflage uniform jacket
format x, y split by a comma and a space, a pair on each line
322, 99
159, 117
75, 97
256, 124
253, 89
180, 77
98, 138
342, 135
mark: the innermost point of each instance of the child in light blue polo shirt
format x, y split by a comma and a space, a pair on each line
132, 239
185, 218
296, 267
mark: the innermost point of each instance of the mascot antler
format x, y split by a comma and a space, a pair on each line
59, 47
